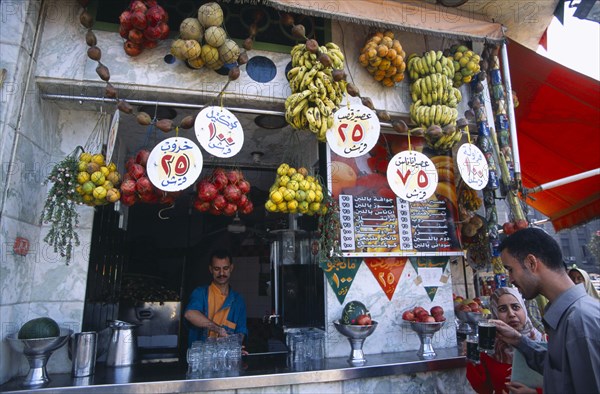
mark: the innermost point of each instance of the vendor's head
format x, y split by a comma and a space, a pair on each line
507, 305
220, 266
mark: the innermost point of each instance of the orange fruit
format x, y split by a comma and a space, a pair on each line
382, 50
387, 82
342, 176
384, 65
391, 55
398, 77
390, 71
363, 60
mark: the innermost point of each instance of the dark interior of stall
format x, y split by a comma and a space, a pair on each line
147, 259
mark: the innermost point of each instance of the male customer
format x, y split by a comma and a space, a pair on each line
216, 310
571, 364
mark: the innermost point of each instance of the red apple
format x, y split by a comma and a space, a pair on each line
464, 308
408, 316
473, 306
417, 309
437, 310
521, 224
439, 318
363, 320
508, 228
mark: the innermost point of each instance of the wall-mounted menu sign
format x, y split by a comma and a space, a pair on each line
377, 223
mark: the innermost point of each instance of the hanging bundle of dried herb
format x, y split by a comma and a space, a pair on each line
60, 209
329, 231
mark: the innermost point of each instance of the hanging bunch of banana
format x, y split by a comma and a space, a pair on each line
317, 81
435, 99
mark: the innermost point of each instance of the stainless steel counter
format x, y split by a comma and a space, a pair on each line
257, 371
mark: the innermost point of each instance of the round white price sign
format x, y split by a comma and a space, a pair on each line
219, 132
412, 176
355, 131
473, 166
174, 164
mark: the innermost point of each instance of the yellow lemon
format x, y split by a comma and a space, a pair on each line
291, 171
270, 206
88, 188
283, 180
315, 206
85, 157
276, 197
112, 167
282, 207
83, 177
98, 159
289, 195
293, 185
108, 185
282, 169
82, 166
99, 193
88, 199
311, 196
292, 205
303, 207
114, 177
310, 178
113, 195
297, 177
98, 178
319, 196
105, 171
304, 185
300, 195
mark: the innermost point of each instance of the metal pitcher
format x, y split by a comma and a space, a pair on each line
82, 352
122, 347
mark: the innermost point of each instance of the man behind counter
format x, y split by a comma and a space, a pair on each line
216, 310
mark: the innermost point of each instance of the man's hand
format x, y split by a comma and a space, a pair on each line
506, 333
219, 330
519, 388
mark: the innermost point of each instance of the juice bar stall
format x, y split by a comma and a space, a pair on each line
342, 203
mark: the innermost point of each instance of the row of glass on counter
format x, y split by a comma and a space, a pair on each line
215, 354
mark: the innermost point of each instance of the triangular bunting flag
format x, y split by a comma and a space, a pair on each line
430, 272
431, 291
387, 272
340, 273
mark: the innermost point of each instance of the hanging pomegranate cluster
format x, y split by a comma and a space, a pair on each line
142, 25
223, 193
136, 186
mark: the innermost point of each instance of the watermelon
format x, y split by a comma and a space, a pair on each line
42, 327
352, 310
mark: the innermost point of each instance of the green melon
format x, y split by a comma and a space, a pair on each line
352, 310
42, 327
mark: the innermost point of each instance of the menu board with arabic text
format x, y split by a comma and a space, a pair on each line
376, 222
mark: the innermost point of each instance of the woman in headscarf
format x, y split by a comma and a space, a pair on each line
492, 374
578, 276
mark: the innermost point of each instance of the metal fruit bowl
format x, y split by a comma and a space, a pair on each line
355, 331
426, 328
356, 335
38, 351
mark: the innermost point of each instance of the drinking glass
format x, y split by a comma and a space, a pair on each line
299, 350
473, 348
487, 336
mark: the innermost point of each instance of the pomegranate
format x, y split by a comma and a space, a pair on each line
521, 224
214, 211
127, 177
138, 5
144, 186
437, 310
202, 206
207, 191
220, 180
136, 36
132, 49
128, 187
219, 202
439, 318
142, 157
164, 30
248, 208
125, 20
123, 32
408, 315
232, 193
154, 15
138, 20
149, 198
136, 171
508, 228
242, 201
234, 176
230, 209
152, 33
244, 186
128, 199
151, 3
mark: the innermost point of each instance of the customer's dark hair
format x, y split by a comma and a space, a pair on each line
537, 242
220, 254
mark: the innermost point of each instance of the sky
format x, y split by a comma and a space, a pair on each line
575, 45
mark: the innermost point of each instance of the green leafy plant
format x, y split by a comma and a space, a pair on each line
60, 209
329, 230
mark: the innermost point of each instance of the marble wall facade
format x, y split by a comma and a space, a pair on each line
43, 51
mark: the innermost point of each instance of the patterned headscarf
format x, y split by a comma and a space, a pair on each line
587, 283
503, 352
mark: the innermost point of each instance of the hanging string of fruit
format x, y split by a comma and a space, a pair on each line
383, 57
317, 81
435, 100
294, 191
223, 193
142, 25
